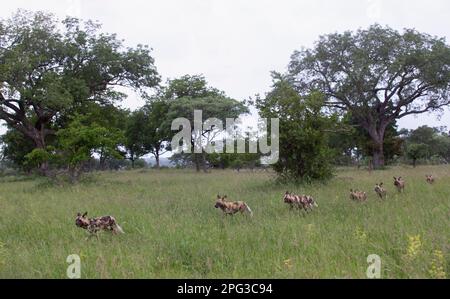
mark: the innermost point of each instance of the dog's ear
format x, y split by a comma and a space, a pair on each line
218, 196
225, 196
395, 178
78, 214
84, 215
381, 184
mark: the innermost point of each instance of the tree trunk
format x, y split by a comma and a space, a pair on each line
39, 141
157, 160
102, 160
204, 166
197, 162
75, 173
378, 156
377, 135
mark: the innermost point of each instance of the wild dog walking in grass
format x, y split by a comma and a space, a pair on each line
399, 183
309, 202
231, 207
430, 179
379, 189
294, 201
290, 199
358, 195
304, 202
94, 225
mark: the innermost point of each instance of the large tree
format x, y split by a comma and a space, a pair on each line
80, 140
157, 131
427, 143
135, 128
189, 93
148, 131
49, 69
378, 74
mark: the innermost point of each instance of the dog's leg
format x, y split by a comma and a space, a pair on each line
305, 208
304, 212
91, 234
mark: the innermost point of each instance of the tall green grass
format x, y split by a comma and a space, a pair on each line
172, 229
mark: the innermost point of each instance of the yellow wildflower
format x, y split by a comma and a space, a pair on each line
360, 235
288, 263
437, 266
414, 246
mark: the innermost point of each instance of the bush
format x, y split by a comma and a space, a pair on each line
304, 151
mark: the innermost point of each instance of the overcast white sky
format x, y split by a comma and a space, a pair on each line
236, 43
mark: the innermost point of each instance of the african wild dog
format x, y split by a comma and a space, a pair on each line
94, 225
430, 179
358, 195
231, 207
309, 202
399, 183
304, 202
380, 190
290, 199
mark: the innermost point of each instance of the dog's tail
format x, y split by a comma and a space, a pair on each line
119, 229
247, 208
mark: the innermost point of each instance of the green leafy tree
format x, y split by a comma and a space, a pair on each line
79, 141
442, 146
416, 151
136, 124
191, 93
426, 143
36, 158
343, 142
157, 131
15, 146
304, 152
148, 131
50, 70
378, 75
235, 160
108, 116
423, 135
392, 143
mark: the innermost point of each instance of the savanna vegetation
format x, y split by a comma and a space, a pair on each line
338, 103
173, 231
70, 147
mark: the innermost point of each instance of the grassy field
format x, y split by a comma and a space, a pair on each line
173, 231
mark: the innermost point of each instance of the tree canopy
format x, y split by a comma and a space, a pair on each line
378, 74
51, 69
190, 93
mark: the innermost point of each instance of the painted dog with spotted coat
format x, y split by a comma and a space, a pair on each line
94, 225
304, 202
231, 207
